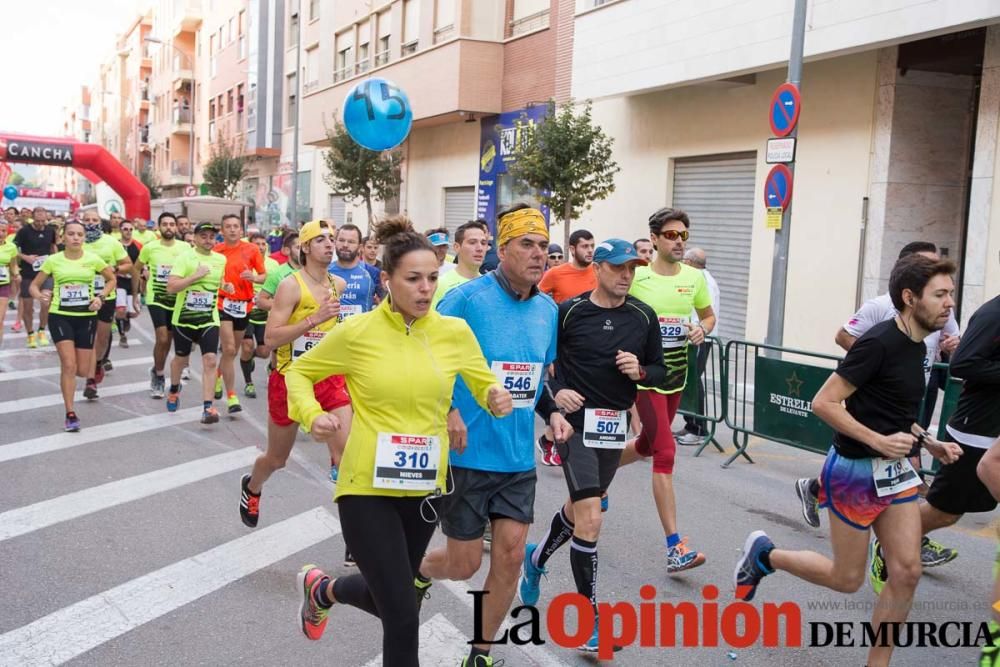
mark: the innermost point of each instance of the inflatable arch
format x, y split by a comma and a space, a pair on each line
92, 161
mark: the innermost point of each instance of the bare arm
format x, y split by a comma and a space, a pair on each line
844, 339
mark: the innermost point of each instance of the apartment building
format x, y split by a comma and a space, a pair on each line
897, 141
78, 125
469, 67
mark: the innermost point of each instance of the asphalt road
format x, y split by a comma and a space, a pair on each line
122, 544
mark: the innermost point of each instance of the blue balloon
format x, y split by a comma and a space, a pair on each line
10, 192
377, 114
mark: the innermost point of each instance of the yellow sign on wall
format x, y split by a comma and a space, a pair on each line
773, 220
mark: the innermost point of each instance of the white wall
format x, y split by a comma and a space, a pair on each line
641, 45
832, 175
438, 157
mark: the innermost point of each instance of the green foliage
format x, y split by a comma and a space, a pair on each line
568, 160
225, 169
357, 173
148, 179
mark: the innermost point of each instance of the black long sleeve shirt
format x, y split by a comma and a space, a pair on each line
977, 361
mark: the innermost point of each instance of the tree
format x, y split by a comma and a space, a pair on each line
225, 169
567, 159
358, 173
148, 179
15, 179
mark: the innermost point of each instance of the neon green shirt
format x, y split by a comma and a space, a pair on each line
274, 278
258, 316
73, 282
111, 251
446, 283
144, 236
160, 260
196, 307
8, 253
673, 298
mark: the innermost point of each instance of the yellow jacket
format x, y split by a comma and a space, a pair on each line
400, 380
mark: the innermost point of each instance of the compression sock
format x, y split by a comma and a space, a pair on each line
559, 533
583, 560
175, 389
814, 487
247, 367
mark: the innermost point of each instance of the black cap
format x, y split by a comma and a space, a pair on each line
204, 227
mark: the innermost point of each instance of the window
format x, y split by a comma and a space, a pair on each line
344, 62
292, 111
242, 28
211, 110
239, 107
384, 30
313, 10
362, 58
229, 101
411, 26
444, 20
293, 30
219, 41
364, 36
312, 69
529, 15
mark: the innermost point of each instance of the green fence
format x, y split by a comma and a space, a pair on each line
704, 397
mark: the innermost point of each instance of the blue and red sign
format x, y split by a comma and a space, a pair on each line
778, 187
784, 111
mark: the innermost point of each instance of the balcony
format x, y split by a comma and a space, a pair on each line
339, 75
529, 23
180, 121
309, 86
444, 34
182, 73
187, 16
409, 48
362, 66
180, 173
381, 58
467, 76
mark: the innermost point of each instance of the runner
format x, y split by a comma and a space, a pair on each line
196, 277
184, 226
244, 269
257, 319
608, 343
305, 309
373, 267
673, 289
867, 480
113, 254
359, 295
265, 297
387, 510
124, 310
8, 273
493, 463
160, 256
563, 282
644, 248
35, 243
370, 251
471, 243
115, 220
975, 425
439, 239
144, 233
73, 304
556, 256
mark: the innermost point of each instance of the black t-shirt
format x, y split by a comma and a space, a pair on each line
31, 241
588, 342
125, 283
977, 361
887, 367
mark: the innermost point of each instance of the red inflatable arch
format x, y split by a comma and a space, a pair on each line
91, 160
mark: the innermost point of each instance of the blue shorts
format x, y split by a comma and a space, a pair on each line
847, 488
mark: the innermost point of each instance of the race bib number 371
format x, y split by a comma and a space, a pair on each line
520, 379
406, 462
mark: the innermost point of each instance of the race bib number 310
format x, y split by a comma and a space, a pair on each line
406, 462
604, 429
520, 379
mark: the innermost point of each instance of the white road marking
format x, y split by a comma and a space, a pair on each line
54, 370
441, 643
129, 426
72, 505
73, 630
44, 401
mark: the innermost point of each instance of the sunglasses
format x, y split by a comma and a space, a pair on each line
673, 235
555, 256
126, 229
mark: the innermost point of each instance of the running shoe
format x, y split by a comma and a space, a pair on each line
680, 558
550, 457
528, 588
592, 644
16, 326
233, 405
158, 386
249, 503
810, 503
43, 340
605, 502
749, 569
99, 373
186, 374
312, 617
488, 536
218, 387
481, 661
348, 558
108, 366
878, 573
689, 439
32, 343
173, 401
249, 390
423, 588
90, 391
152, 383
123, 341
210, 416
72, 424
333, 473
934, 553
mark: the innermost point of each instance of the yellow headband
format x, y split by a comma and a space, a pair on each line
520, 223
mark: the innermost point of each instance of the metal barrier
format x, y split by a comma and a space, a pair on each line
952, 390
779, 405
704, 397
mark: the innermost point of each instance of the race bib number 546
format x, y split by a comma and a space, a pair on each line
520, 379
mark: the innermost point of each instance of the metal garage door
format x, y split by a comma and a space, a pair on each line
718, 192
337, 210
459, 207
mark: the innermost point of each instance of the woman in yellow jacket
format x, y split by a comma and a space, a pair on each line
400, 362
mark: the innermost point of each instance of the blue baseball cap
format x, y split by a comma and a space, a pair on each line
617, 251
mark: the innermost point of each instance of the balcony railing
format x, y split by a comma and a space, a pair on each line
528, 23
444, 34
180, 168
309, 86
362, 66
381, 58
410, 47
182, 115
342, 73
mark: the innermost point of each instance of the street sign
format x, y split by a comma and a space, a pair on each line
778, 187
774, 215
783, 113
190, 191
108, 201
780, 151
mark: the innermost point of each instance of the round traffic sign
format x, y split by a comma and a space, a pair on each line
190, 191
778, 187
783, 113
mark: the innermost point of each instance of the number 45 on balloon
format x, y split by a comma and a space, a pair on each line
377, 114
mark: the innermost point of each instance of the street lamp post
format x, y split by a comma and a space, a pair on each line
190, 62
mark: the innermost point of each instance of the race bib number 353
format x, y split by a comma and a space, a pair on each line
406, 462
520, 379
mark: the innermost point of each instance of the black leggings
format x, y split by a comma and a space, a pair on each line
388, 538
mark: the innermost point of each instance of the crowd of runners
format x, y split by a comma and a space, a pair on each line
422, 361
